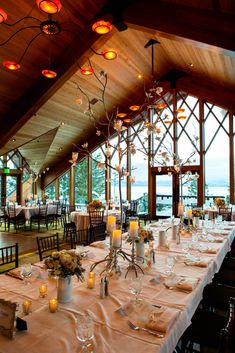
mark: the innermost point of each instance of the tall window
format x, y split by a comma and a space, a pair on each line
98, 175
27, 182
50, 191
139, 167
64, 187
216, 129
81, 182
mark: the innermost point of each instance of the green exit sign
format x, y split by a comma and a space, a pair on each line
6, 170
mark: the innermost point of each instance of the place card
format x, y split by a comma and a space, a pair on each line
7, 318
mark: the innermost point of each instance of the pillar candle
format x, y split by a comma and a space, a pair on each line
53, 305
133, 229
111, 223
117, 238
180, 210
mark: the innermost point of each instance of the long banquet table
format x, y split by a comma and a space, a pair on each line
55, 332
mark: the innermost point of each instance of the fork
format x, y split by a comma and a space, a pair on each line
137, 328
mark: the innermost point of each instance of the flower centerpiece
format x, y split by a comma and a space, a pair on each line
96, 204
219, 202
196, 212
64, 264
144, 236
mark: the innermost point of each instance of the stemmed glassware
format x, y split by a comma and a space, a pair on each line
136, 287
170, 263
26, 272
85, 332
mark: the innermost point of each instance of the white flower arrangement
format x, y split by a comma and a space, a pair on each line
65, 263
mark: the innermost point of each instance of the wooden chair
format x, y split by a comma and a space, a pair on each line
97, 225
40, 218
3, 216
79, 237
98, 232
16, 220
211, 330
96, 217
226, 213
56, 217
9, 255
47, 244
68, 225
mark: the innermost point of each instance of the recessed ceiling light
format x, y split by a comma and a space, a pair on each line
140, 76
191, 64
13, 140
62, 123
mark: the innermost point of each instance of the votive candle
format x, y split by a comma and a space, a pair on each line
53, 305
189, 213
43, 290
26, 306
117, 238
91, 275
90, 282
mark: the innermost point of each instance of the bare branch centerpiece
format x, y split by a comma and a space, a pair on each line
63, 265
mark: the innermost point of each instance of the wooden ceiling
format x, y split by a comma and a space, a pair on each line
32, 107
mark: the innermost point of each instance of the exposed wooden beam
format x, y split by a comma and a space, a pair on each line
66, 65
210, 27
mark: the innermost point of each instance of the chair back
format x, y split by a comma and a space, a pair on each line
9, 255
227, 334
43, 211
58, 210
226, 213
134, 207
11, 211
96, 217
79, 237
98, 232
47, 244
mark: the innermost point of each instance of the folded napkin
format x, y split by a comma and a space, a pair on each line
200, 263
162, 319
99, 244
183, 283
209, 251
187, 284
211, 239
14, 273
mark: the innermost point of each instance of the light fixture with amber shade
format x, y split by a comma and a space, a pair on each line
11, 65
49, 6
47, 27
86, 70
134, 107
3, 16
49, 73
108, 53
122, 115
102, 27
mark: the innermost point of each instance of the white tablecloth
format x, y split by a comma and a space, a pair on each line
30, 211
55, 332
82, 221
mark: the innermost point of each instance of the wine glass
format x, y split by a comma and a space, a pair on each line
26, 272
85, 331
136, 287
170, 263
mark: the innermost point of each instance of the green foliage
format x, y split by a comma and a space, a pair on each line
64, 185
81, 182
98, 177
50, 191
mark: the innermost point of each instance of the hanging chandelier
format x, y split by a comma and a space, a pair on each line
47, 27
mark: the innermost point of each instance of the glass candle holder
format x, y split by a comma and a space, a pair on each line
90, 282
43, 290
53, 305
26, 306
117, 238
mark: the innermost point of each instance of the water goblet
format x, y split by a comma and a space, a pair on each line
136, 287
26, 272
85, 332
170, 263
